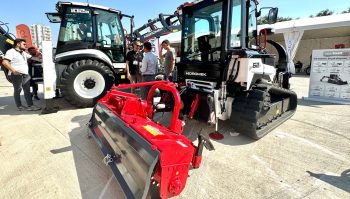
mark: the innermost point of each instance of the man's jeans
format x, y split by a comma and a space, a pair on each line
145, 89
19, 82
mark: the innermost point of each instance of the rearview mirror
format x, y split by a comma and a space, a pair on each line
272, 17
53, 17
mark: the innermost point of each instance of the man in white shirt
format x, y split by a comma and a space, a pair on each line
15, 61
148, 68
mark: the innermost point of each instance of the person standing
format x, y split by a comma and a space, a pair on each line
148, 69
15, 61
168, 59
84, 31
133, 64
33, 71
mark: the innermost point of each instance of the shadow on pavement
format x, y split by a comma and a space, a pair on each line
193, 127
8, 107
315, 104
96, 180
341, 182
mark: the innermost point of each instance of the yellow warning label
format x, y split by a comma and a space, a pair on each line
10, 41
48, 89
122, 77
154, 131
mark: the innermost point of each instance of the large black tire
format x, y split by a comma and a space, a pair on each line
308, 70
72, 71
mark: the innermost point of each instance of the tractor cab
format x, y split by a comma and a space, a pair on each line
211, 32
90, 27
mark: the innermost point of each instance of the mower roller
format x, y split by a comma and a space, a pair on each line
147, 158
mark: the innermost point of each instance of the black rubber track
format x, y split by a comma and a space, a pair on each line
71, 72
249, 109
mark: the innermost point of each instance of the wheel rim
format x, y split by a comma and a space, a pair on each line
89, 84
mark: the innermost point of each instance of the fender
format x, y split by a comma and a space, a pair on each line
83, 53
282, 54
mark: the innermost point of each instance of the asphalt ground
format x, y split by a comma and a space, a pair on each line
51, 156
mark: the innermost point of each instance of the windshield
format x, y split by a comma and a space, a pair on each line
76, 26
252, 25
202, 34
110, 35
109, 29
235, 41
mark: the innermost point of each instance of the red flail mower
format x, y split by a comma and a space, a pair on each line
148, 159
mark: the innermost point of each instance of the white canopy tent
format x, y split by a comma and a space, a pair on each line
292, 32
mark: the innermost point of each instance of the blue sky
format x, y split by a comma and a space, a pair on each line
33, 11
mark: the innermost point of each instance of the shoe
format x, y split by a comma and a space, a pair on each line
36, 97
33, 108
21, 108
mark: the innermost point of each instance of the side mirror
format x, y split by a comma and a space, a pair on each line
272, 17
54, 17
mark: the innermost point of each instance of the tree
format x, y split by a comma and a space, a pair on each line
280, 19
346, 11
263, 20
325, 12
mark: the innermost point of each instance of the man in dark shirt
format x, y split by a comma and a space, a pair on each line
133, 64
84, 32
34, 71
298, 66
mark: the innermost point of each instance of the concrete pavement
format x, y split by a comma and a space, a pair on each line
50, 156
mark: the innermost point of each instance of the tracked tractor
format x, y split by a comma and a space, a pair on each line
228, 75
225, 75
334, 79
90, 52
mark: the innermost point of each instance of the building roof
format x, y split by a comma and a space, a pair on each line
314, 28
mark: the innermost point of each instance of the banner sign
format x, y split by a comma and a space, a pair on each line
292, 40
330, 76
23, 32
